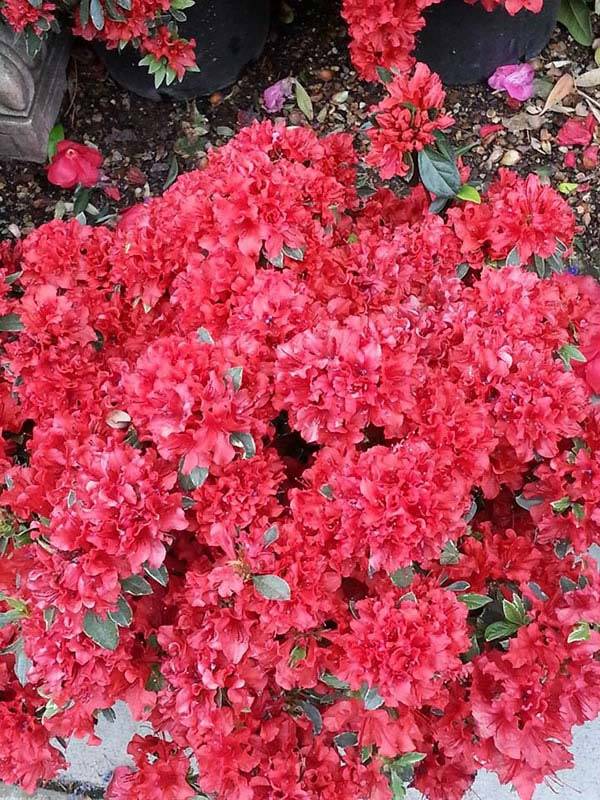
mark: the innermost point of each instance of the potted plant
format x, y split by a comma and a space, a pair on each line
223, 36
462, 41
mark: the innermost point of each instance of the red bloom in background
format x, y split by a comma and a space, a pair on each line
577, 131
179, 53
407, 120
74, 164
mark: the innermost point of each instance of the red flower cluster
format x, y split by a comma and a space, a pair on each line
407, 120
132, 21
383, 33
313, 506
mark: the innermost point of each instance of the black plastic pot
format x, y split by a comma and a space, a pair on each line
228, 33
466, 44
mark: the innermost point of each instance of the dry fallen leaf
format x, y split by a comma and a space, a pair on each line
563, 87
588, 79
523, 122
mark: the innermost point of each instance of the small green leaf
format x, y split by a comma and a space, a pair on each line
559, 506
97, 14
568, 353
272, 587
298, 654
158, 574
500, 630
304, 102
385, 75
372, 699
474, 601
313, 714
11, 323
245, 441
409, 759
345, 739
567, 188
462, 271
439, 173
512, 613
513, 259
469, 194
580, 633
56, 135
84, 12
528, 502
458, 586
173, 166
333, 682
156, 680
235, 375
567, 585
575, 15
271, 535
403, 577
123, 614
295, 253
194, 480
101, 630
204, 336
450, 554
71, 499
326, 491
136, 585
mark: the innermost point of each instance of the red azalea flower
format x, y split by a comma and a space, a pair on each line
74, 164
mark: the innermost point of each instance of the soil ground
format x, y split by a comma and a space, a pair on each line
142, 141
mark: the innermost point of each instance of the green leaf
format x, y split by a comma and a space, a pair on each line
528, 502
22, 663
80, 201
97, 14
469, 194
126, 4
123, 614
409, 759
568, 353
314, 715
513, 259
567, 188
462, 271
580, 633
450, 554
173, 167
474, 601
559, 506
71, 499
513, 612
156, 679
272, 587
235, 375
271, 535
403, 577
575, 15
326, 491
11, 323
298, 654
567, 585
158, 574
439, 173
335, 683
458, 586
500, 630
101, 630
8, 617
84, 12
385, 75
194, 480
204, 336
295, 253
372, 699
303, 101
244, 441
136, 585
345, 739
56, 135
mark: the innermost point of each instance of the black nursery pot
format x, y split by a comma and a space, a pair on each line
466, 44
228, 33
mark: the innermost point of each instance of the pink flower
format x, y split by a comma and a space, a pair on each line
275, 96
515, 79
73, 164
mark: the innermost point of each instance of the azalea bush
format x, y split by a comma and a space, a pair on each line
148, 25
306, 473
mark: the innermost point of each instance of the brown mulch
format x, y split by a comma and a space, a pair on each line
141, 140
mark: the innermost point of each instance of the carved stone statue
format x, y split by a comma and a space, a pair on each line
31, 91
